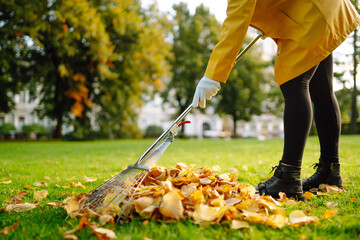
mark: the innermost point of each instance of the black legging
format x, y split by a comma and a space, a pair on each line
315, 86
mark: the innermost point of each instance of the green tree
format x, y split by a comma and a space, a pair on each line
193, 38
242, 95
84, 58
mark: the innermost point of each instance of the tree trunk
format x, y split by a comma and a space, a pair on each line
235, 118
354, 112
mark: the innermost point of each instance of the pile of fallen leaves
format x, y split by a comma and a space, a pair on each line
203, 195
176, 193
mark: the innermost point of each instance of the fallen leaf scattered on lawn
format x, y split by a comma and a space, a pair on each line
20, 207
39, 184
40, 195
7, 229
353, 199
308, 195
329, 213
29, 187
47, 178
6, 182
331, 204
106, 233
77, 185
237, 224
329, 188
298, 218
89, 179
18, 198
70, 237
54, 204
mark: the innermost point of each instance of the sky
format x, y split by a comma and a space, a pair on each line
216, 7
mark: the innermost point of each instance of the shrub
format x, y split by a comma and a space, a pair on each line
153, 131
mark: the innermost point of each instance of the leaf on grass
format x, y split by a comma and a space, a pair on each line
6, 182
70, 236
71, 205
142, 203
329, 213
171, 206
237, 224
89, 179
40, 195
106, 233
106, 218
277, 220
329, 188
298, 217
353, 199
308, 195
331, 204
39, 184
16, 199
19, 207
29, 187
47, 178
7, 229
204, 213
77, 185
54, 204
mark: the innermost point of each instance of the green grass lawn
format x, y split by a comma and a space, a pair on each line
63, 162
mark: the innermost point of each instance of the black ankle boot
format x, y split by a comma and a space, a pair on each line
326, 172
286, 179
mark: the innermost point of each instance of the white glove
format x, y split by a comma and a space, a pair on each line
205, 90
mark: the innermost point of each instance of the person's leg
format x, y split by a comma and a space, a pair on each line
328, 124
297, 122
297, 117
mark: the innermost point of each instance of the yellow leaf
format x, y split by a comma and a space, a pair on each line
308, 195
204, 213
276, 220
39, 195
298, 217
236, 224
329, 213
171, 206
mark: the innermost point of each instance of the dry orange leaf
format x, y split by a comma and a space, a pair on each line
39, 195
106, 233
308, 195
330, 213
29, 187
7, 229
276, 220
171, 206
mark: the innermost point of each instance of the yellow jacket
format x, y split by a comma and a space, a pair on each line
305, 31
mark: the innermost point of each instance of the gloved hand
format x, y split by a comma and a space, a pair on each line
205, 90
